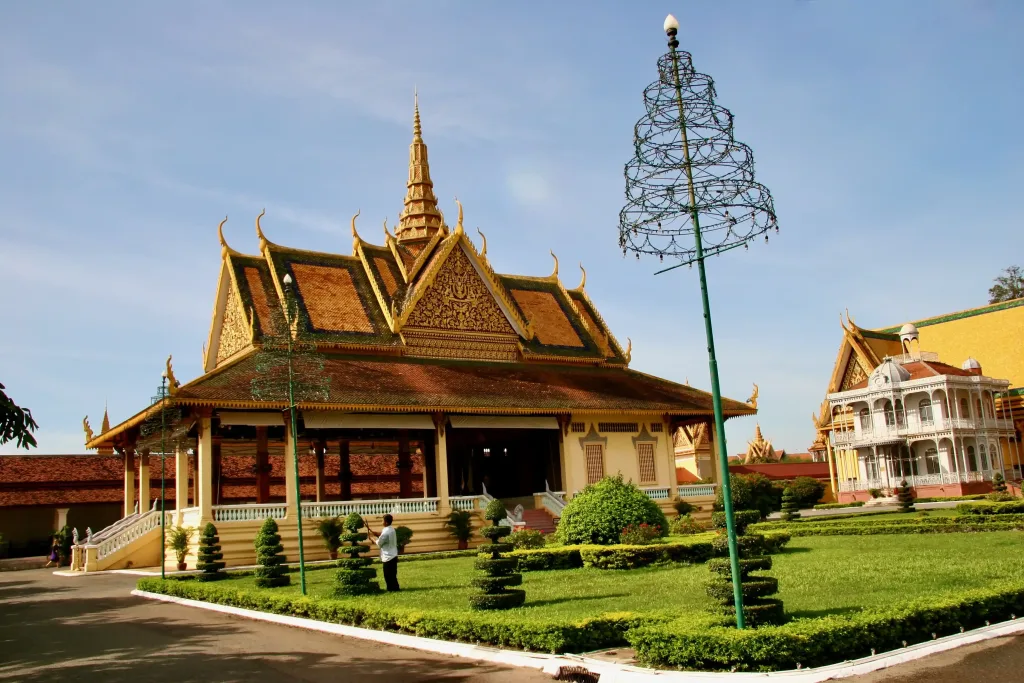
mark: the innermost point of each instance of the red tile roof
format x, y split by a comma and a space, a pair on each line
920, 369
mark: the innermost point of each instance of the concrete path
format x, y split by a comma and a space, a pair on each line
880, 508
90, 629
1000, 660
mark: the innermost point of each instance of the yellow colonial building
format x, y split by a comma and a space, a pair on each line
428, 383
978, 344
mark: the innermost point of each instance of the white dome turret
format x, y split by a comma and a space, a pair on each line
972, 364
887, 374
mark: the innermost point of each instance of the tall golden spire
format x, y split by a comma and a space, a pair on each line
420, 218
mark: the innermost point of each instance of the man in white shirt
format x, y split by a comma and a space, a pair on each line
387, 541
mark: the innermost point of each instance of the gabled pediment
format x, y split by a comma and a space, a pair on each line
231, 330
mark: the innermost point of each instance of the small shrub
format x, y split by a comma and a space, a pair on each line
460, 526
905, 497
272, 572
549, 558
330, 530
1015, 506
65, 539
790, 507
1000, 497
500, 573
211, 559
600, 512
998, 483
526, 539
684, 508
355, 576
751, 492
640, 534
834, 506
403, 536
178, 540
758, 608
875, 493
685, 526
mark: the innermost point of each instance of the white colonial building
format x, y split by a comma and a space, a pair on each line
922, 420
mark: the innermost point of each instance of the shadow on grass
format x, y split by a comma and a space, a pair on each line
557, 601
792, 551
814, 613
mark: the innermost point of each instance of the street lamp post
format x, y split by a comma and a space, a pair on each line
289, 320
163, 479
688, 166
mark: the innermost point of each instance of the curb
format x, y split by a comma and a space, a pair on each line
611, 672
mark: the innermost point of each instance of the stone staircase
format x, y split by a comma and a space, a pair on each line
539, 520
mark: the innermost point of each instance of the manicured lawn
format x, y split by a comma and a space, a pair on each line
817, 575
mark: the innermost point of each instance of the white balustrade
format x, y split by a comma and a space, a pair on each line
696, 490
343, 508
553, 502
145, 523
656, 492
464, 502
248, 513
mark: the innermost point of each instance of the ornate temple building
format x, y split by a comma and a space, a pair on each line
894, 409
425, 382
760, 450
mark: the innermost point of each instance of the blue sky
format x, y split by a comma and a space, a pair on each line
888, 133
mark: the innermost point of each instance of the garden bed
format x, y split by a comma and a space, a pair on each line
831, 587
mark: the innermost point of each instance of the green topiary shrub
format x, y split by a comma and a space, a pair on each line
905, 497
790, 507
355, 576
758, 608
330, 530
526, 539
272, 571
210, 560
807, 491
998, 483
403, 535
600, 512
500, 573
686, 526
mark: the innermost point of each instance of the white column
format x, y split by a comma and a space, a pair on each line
180, 481
204, 470
670, 461
144, 501
62, 518
129, 481
441, 453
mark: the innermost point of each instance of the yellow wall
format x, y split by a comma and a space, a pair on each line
995, 339
619, 453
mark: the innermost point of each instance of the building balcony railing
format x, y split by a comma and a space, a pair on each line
882, 430
695, 490
916, 480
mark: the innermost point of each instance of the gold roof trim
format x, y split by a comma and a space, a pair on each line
483, 249
225, 250
583, 280
424, 255
554, 273
599, 319
420, 215
497, 287
264, 242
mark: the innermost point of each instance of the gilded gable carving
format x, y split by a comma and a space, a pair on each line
459, 300
234, 331
854, 374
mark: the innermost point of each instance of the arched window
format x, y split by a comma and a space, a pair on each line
931, 461
925, 409
972, 460
899, 412
984, 457
865, 418
965, 409
890, 416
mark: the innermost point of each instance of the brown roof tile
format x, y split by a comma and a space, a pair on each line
331, 299
547, 317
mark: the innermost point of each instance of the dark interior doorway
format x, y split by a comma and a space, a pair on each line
511, 463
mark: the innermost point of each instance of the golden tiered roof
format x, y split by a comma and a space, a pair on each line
760, 449
420, 218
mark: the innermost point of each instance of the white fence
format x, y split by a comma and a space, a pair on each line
696, 490
143, 524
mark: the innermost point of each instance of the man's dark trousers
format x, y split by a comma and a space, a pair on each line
391, 574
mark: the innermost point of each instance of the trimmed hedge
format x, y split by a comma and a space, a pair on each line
944, 499
741, 519
634, 556
355, 576
1015, 507
836, 506
709, 644
925, 525
499, 629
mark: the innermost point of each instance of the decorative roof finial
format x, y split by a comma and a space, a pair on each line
554, 273
420, 217
172, 382
752, 401
354, 217
259, 232
417, 130
458, 226
105, 426
583, 280
483, 251
87, 429
387, 235
224, 248
629, 350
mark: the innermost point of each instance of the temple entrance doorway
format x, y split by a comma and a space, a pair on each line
512, 464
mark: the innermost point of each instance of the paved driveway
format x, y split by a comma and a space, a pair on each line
90, 629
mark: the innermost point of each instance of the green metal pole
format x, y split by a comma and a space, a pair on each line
716, 393
163, 487
295, 448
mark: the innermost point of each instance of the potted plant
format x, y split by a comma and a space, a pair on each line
330, 529
65, 539
403, 535
178, 540
460, 526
